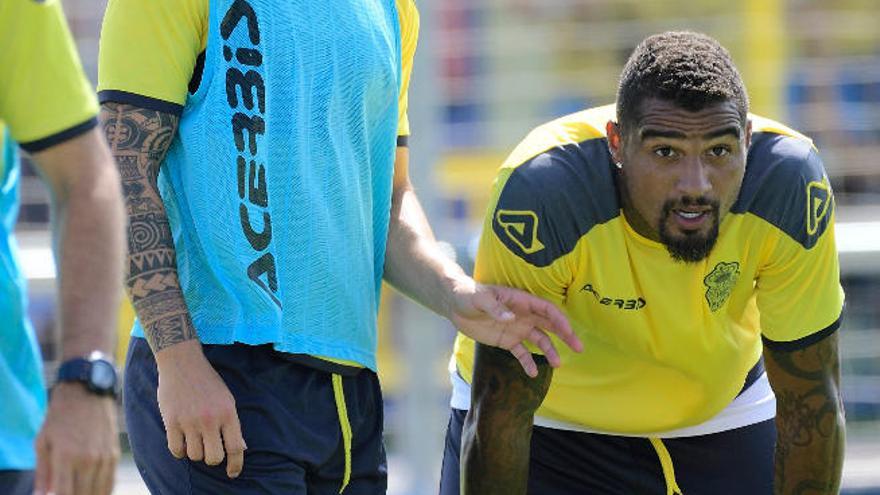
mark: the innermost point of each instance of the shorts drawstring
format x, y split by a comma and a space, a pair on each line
342, 411
672, 487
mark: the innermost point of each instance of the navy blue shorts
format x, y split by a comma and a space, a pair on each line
562, 462
17, 482
289, 420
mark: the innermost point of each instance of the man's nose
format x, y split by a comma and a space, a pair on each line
693, 180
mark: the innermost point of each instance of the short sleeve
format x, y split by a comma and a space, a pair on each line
148, 51
515, 230
45, 98
409, 34
798, 288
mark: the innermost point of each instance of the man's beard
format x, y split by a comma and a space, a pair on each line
695, 245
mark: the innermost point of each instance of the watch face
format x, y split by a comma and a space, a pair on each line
103, 376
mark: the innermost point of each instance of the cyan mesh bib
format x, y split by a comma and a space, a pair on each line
22, 393
278, 186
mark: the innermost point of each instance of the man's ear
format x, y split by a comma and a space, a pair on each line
748, 141
615, 143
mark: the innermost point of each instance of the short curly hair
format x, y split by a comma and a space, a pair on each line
691, 70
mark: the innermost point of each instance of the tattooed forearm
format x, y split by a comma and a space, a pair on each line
139, 139
498, 430
809, 418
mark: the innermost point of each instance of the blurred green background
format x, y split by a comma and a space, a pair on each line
487, 71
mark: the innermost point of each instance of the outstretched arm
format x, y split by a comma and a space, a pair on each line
497, 432
809, 417
497, 316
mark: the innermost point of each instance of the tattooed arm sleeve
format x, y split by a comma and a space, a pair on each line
498, 430
139, 139
809, 418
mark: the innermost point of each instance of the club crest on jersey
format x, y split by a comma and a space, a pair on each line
719, 283
818, 204
520, 228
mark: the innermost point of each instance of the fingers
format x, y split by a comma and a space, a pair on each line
84, 476
235, 447
62, 476
104, 477
213, 444
194, 448
543, 342
43, 475
543, 313
525, 359
175, 441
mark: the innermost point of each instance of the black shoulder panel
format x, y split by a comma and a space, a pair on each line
786, 185
549, 202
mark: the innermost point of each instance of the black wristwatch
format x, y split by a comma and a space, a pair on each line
96, 372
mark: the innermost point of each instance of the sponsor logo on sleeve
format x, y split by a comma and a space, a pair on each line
520, 227
819, 199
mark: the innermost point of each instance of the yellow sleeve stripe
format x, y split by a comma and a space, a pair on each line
138, 100
573, 128
59, 137
408, 17
763, 124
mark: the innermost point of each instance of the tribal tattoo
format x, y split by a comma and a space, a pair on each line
809, 418
498, 430
139, 139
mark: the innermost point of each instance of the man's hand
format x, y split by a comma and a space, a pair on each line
507, 318
78, 446
198, 410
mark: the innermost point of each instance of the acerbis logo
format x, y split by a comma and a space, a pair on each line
627, 304
521, 227
247, 125
819, 201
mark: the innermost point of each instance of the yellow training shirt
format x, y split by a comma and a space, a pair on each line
44, 98
667, 344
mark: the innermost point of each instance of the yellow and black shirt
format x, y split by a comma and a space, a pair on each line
667, 344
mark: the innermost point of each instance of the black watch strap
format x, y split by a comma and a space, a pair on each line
96, 373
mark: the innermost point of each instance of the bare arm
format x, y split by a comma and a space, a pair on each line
497, 432
198, 410
77, 448
809, 418
498, 316
139, 140
88, 218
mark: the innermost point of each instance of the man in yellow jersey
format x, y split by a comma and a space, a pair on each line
262, 148
48, 108
691, 244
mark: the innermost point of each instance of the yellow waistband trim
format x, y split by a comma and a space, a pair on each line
344, 362
668, 470
342, 411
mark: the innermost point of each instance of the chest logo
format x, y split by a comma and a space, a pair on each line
818, 204
521, 227
720, 282
621, 303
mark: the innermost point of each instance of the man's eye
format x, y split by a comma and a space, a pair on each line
664, 151
720, 151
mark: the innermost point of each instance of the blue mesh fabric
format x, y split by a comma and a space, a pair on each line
278, 185
21, 373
